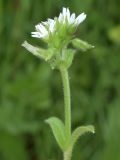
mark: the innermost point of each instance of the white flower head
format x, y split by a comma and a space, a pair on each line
58, 34
65, 15
44, 28
41, 31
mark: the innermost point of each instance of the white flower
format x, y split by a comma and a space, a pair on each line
41, 31
65, 15
44, 28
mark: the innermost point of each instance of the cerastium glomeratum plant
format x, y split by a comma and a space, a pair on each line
58, 33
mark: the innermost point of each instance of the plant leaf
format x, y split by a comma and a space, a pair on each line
69, 55
58, 129
38, 52
80, 131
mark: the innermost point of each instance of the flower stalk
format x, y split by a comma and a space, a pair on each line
67, 100
68, 154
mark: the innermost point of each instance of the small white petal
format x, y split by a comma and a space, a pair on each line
63, 15
60, 18
37, 27
80, 18
44, 23
68, 14
36, 34
52, 26
64, 12
41, 31
72, 18
50, 20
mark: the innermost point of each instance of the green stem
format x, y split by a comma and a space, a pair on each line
68, 154
67, 101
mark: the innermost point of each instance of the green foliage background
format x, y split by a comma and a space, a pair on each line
30, 91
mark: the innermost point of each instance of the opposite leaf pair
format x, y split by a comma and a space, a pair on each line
64, 141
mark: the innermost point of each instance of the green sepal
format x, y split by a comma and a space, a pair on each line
68, 57
49, 54
62, 60
81, 45
80, 131
58, 130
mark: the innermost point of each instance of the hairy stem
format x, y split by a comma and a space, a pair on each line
68, 154
67, 101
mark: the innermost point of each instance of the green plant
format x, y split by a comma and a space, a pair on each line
58, 34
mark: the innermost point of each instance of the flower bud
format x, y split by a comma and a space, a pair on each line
81, 45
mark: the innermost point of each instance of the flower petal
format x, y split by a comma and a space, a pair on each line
80, 18
60, 18
68, 14
36, 34
72, 18
64, 12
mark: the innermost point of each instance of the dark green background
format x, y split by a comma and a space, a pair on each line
30, 91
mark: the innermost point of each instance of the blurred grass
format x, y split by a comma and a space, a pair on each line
29, 94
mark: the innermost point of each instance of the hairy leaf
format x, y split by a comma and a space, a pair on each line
58, 129
80, 131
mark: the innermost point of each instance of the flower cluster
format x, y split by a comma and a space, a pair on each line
44, 29
58, 33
